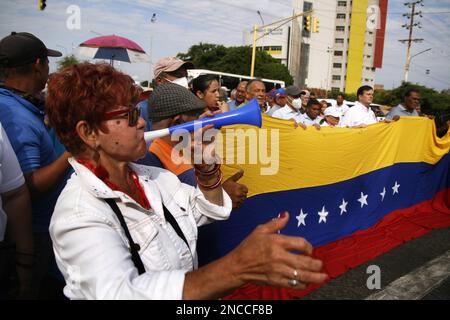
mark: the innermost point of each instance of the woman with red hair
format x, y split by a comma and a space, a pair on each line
125, 231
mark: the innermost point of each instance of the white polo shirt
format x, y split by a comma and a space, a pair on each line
307, 121
357, 115
286, 113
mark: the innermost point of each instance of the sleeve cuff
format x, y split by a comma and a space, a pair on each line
211, 210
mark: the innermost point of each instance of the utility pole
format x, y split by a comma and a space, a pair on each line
256, 28
410, 27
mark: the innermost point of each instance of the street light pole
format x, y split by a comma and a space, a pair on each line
330, 51
420, 53
260, 15
255, 29
152, 21
252, 70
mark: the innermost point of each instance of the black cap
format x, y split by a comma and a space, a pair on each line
21, 48
171, 99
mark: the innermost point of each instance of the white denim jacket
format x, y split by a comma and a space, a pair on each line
91, 248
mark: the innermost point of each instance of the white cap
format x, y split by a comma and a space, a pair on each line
330, 111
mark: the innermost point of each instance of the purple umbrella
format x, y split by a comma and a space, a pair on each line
113, 48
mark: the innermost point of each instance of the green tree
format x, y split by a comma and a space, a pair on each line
68, 61
431, 100
236, 60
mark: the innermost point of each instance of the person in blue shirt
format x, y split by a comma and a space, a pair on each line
24, 72
241, 92
408, 108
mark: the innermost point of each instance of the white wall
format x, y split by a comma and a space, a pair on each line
320, 61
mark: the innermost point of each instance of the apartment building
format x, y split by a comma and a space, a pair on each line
342, 53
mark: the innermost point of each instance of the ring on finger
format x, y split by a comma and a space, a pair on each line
293, 282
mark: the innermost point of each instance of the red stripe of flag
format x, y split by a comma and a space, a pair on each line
339, 256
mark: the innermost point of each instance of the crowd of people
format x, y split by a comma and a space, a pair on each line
89, 211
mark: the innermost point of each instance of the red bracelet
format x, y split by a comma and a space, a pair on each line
208, 173
211, 186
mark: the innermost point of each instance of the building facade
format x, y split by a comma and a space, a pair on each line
342, 54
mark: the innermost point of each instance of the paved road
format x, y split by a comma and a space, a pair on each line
411, 261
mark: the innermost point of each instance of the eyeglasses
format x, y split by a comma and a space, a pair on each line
132, 113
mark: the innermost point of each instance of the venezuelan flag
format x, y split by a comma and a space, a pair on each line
353, 193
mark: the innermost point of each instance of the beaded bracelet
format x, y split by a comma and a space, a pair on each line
211, 186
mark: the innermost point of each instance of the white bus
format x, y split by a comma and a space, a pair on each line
230, 80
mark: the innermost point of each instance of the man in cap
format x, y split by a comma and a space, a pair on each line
172, 69
167, 69
293, 104
270, 98
280, 101
304, 96
24, 72
173, 105
331, 117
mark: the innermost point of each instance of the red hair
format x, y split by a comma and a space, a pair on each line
85, 92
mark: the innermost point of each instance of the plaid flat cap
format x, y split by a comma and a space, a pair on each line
171, 99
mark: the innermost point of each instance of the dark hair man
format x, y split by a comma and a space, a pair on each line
241, 93
408, 107
361, 114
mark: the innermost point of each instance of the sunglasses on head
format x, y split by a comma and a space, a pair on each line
133, 115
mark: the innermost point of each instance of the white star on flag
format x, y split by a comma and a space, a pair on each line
383, 194
363, 199
301, 218
343, 206
395, 188
323, 215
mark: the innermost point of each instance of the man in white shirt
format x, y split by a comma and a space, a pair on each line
280, 101
311, 116
340, 107
293, 104
360, 114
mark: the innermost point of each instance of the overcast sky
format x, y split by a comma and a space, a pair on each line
183, 23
